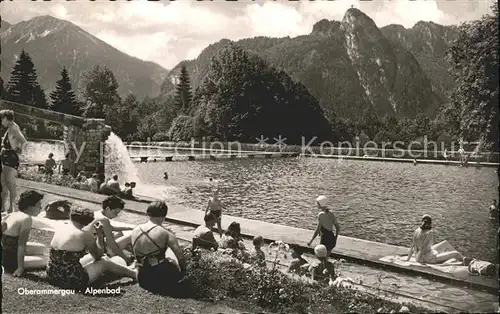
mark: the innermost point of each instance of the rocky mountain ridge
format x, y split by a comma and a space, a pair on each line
352, 66
53, 43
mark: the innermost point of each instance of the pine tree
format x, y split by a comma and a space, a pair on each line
3, 90
101, 94
23, 85
63, 98
183, 93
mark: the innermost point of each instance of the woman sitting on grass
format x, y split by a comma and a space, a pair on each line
70, 244
17, 253
157, 273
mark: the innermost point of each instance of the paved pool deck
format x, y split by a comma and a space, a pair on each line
351, 249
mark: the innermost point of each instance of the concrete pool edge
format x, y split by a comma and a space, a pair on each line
359, 251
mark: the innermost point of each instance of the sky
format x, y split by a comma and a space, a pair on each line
168, 32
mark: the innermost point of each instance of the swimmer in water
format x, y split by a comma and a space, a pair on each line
493, 209
211, 179
214, 207
165, 175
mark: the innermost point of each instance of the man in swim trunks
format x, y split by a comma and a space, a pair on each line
12, 144
214, 207
326, 222
111, 208
66, 164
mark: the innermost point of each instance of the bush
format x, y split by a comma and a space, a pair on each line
218, 275
31, 173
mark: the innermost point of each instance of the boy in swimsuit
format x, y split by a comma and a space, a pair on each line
50, 165
298, 265
214, 207
322, 269
258, 255
115, 241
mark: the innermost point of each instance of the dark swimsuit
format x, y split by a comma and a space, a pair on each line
8, 156
65, 271
216, 213
156, 273
328, 239
9, 253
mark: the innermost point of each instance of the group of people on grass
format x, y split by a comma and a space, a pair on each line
110, 186
83, 250
87, 247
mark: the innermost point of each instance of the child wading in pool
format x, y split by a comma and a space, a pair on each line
214, 207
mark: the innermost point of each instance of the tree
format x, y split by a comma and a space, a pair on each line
100, 91
181, 129
23, 86
128, 119
183, 94
3, 90
243, 98
63, 98
474, 59
369, 122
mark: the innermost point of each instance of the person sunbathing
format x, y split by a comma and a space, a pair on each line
17, 253
203, 235
423, 246
114, 240
157, 273
70, 243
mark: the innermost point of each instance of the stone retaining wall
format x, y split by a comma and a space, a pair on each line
83, 138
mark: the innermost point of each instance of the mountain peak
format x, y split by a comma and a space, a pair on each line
355, 16
325, 27
358, 24
5, 25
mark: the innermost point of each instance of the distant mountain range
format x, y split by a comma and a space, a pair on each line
53, 43
352, 65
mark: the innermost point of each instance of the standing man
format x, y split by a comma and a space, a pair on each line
12, 144
326, 222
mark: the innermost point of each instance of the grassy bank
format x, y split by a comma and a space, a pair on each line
216, 283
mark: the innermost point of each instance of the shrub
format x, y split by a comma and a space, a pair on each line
31, 173
218, 275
